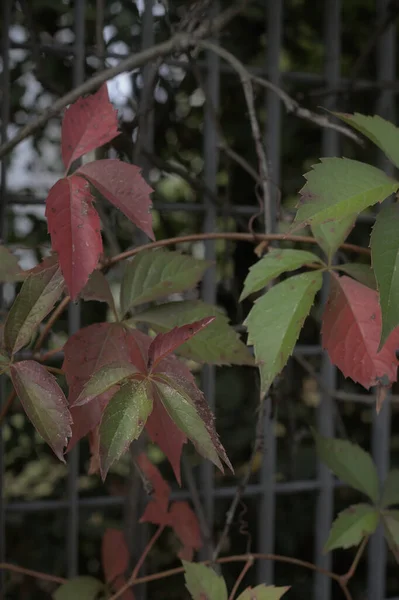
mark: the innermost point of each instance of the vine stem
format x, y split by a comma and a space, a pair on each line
241, 576
30, 573
345, 578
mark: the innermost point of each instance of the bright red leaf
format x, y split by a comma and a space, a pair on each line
351, 334
185, 524
74, 227
123, 185
165, 343
115, 554
87, 124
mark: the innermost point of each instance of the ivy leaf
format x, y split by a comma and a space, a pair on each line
351, 333
10, 270
217, 344
115, 554
331, 235
83, 587
390, 520
87, 124
351, 526
361, 272
155, 274
263, 592
104, 379
184, 523
340, 187
74, 227
188, 409
44, 403
39, 292
203, 583
165, 343
123, 421
97, 288
275, 322
123, 185
383, 133
274, 264
385, 258
350, 463
390, 493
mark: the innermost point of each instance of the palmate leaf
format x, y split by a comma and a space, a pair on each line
274, 264
263, 592
203, 583
104, 379
44, 403
275, 322
351, 526
361, 272
39, 292
331, 235
390, 493
337, 188
385, 258
217, 344
155, 274
83, 587
350, 463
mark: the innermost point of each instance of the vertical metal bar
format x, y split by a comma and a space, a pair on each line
267, 508
211, 164
381, 425
74, 325
5, 116
325, 411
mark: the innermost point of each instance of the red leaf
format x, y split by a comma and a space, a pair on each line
123, 185
115, 554
165, 343
157, 509
74, 227
351, 334
87, 124
86, 418
185, 524
138, 344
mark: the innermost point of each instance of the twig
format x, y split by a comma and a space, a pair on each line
178, 42
6, 406
54, 370
241, 576
30, 573
345, 578
47, 355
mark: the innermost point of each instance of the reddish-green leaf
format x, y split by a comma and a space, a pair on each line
351, 334
351, 526
361, 272
9, 268
87, 124
123, 185
185, 524
263, 592
104, 379
123, 421
166, 343
115, 554
40, 291
203, 583
97, 288
44, 403
83, 587
74, 227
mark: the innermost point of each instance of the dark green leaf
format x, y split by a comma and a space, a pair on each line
79, 588
390, 493
331, 235
10, 270
203, 583
104, 379
272, 265
263, 592
156, 274
350, 463
351, 526
360, 272
390, 520
275, 322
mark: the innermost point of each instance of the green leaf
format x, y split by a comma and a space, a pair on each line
331, 235
104, 379
360, 272
97, 288
156, 274
217, 343
340, 187
263, 592
385, 258
203, 583
390, 520
272, 265
10, 270
275, 322
84, 588
350, 463
123, 421
351, 526
383, 133
390, 493
39, 292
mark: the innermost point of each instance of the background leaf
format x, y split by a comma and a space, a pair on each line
351, 526
390, 493
390, 520
217, 344
331, 235
361, 272
384, 244
10, 270
44, 403
184, 523
275, 322
157, 508
155, 274
38, 294
83, 587
350, 463
115, 554
263, 592
203, 583
274, 263
340, 187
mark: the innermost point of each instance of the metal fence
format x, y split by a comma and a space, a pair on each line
265, 491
